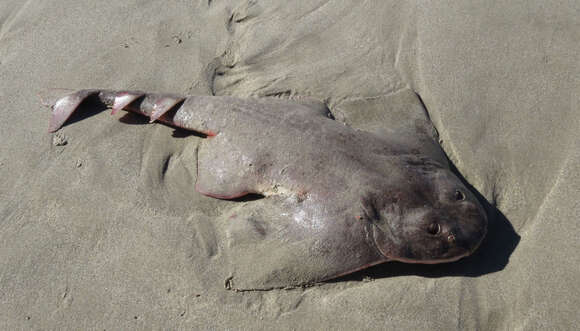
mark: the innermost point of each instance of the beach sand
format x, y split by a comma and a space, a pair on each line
96, 234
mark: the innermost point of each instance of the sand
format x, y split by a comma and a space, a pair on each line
95, 234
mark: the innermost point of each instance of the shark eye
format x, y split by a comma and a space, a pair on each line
434, 228
459, 196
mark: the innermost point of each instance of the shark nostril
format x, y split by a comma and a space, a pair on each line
434, 228
451, 238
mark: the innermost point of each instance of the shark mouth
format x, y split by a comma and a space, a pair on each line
381, 242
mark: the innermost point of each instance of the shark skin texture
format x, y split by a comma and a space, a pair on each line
335, 199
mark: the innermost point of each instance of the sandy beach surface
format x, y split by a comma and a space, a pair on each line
101, 228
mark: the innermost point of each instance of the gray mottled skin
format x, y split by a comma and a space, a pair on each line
336, 200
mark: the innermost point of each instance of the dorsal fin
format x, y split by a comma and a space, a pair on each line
64, 107
123, 99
